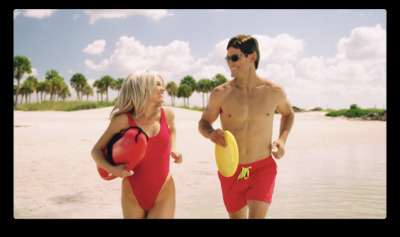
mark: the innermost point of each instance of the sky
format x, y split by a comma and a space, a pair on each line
322, 58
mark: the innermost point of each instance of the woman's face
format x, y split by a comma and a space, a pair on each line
157, 94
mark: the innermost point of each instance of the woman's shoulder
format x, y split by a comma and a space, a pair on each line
120, 121
169, 114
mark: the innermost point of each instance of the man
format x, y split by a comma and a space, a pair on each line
246, 107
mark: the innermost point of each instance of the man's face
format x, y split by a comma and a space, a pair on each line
239, 67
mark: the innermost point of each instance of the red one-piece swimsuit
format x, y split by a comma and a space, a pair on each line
151, 173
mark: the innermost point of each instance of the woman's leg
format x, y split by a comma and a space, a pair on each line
164, 206
130, 206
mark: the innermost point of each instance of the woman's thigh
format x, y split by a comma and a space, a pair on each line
130, 206
164, 206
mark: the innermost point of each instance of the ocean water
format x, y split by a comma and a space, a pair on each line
341, 182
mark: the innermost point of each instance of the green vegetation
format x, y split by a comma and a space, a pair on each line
356, 112
189, 85
63, 105
195, 108
58, 90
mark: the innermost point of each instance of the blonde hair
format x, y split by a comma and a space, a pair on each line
135, 92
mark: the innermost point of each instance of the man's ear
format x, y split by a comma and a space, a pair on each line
253, 56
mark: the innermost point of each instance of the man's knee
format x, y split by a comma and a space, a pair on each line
257, 209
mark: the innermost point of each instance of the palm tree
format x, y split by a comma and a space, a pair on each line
106, 82
45, 88
184, 91
117, 84
15, 90
56, 87
219, 79
26, 89
204, 86
63, 91
21, 66
88, 90
40, 89
172, 90
99, 85
35, 85
96, 85
78, 82
54, 82
190, 81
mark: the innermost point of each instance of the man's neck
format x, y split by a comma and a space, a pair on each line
248, 82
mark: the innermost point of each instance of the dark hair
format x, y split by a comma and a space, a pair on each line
247, 44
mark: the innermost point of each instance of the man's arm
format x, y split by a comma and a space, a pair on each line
210, 114
285, 109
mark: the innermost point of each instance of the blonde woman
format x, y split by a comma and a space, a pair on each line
148, 191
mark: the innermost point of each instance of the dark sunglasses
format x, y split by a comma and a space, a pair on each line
234, 57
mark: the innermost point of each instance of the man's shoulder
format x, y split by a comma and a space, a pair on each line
219, 93
223, 89
270, 85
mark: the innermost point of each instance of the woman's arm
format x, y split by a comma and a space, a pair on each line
117, 124
172, 130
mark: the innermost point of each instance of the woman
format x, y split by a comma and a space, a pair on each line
148, 191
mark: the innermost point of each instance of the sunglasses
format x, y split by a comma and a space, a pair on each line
234, 57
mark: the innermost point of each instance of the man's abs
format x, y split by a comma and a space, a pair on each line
254, 142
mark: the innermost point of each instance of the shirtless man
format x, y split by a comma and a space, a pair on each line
246, 107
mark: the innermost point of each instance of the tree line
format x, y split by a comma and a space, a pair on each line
55, 86
188, 85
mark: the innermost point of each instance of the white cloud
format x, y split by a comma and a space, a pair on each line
209, 71
280, 49
311, 68
95, 48
364, 43
356, 74
101, 66
218, 54
34, 13
130, 55
96, 15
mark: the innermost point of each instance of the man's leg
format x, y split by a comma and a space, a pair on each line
257, 209
241, 214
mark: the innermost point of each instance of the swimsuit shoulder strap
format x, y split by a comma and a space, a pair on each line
163, 118
131, 121
162, 113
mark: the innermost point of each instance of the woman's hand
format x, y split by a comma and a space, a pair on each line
177, 157
120, 171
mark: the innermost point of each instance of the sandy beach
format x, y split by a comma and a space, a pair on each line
333, 168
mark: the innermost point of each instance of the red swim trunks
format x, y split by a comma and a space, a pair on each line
254, 181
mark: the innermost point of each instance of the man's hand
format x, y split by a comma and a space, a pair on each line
278, 149
218, 137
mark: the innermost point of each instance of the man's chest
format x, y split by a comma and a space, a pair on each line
248, 107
